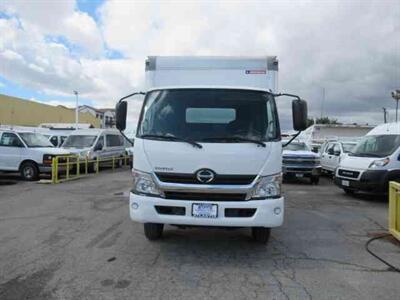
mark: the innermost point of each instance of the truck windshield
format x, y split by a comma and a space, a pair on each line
376, 145
35, 140
79, 141
210, 115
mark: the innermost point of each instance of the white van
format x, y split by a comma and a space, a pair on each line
92, 143
208, 146
28, 152
373, 162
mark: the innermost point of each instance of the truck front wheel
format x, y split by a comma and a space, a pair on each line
261, 234
153, 231
314, 179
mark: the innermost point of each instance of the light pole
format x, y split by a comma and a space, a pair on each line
396, 97
76, 110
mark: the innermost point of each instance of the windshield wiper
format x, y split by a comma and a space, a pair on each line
171, 138
235, 139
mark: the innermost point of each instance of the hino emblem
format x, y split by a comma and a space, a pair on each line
205, 175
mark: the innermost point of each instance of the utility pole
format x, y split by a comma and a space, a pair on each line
76, 110
384, 114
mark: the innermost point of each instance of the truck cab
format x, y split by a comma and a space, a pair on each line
208, 146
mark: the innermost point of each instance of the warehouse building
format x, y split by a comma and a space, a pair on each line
22, 112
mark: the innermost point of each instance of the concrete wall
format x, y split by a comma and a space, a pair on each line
16, 111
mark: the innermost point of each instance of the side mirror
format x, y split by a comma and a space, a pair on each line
299, 111
120, 115
98, 147
336, 153
330, 152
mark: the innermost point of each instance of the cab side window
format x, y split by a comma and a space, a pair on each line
336, 149
329, 148
10, 140
114, 140
100, 143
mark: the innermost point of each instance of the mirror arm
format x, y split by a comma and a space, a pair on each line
298, 98
119, 101
285, 94
130, 95
291, 140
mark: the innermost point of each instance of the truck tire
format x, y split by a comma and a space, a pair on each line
261, 234
29, 171
314, 179
153, 231
348, 191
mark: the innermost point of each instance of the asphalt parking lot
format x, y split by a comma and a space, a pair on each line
75, 241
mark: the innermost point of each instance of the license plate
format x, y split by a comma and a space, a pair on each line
299, 175
204, 210
345, 183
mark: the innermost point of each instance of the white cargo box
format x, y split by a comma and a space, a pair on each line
190, 71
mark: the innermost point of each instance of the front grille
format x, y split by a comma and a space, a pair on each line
299, 161
204, 196
348, 173
219, 179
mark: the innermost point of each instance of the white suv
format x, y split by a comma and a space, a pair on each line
28, 152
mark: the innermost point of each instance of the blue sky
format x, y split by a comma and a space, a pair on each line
17, 90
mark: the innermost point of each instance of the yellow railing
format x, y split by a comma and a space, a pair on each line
394, 209
70, 167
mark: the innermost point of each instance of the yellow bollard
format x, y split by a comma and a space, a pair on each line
78, 167
394, 209
97, 165
53, 170
67, 171
113, 162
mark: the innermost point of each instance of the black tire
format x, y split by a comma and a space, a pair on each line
348, 191
314, 179
29, 171
261, 234
153, 231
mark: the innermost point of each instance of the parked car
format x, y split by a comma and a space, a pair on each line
96, 143
299, 161
332, 152
28, 152
372, 163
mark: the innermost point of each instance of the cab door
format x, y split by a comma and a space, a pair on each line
334, 160
325, 156
11, 148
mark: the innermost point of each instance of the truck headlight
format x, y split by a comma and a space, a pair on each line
47, 159
268, 187
379, 163
143, 183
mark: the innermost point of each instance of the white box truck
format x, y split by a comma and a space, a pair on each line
208, 147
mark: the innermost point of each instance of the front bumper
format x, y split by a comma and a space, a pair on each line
370, 181
48, 168
265, 215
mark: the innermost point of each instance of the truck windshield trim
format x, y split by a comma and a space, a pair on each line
202, 114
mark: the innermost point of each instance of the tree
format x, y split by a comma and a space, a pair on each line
323, 120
